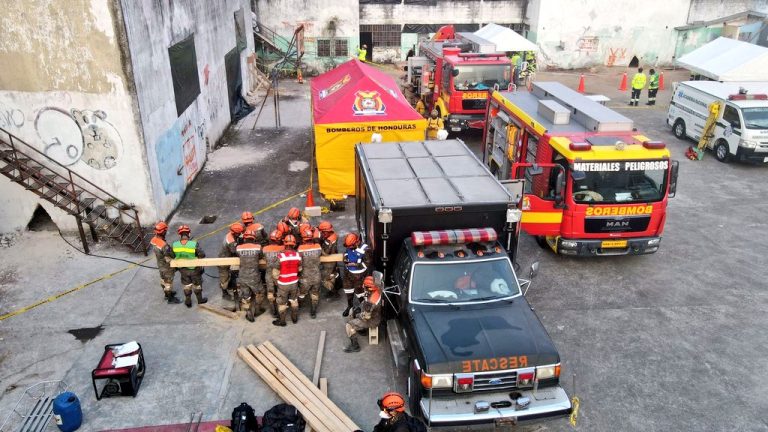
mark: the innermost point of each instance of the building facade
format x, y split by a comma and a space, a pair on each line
129, 95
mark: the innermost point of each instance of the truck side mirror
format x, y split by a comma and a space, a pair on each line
559, 187
378, 278
455, 72
673, 178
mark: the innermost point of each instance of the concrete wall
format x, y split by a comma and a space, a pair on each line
177, 144
62, 82
581, 33
321, 19
689, 40
706, 10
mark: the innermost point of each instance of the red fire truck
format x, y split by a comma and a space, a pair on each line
454, 73
594, 186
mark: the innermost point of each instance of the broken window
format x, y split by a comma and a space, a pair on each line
332, 48
384, 35
323, 47
340, 48
186, 84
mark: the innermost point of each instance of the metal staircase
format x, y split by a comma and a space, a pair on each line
277, 52
73, 194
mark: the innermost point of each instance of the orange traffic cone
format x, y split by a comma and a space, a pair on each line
310, 199
299, 78
581, 84
661, 81
623, 84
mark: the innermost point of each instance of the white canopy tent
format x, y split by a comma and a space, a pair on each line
726, 59
505, 38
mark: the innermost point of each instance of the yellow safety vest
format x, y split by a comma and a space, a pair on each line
638, 81
362, 54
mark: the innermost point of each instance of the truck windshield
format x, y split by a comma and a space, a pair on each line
755, 118
463, 281
482, 77
619, 182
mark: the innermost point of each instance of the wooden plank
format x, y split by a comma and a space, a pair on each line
218, 311
292, 383
318, 359
281, 390
329, 404
324, 385
234, 261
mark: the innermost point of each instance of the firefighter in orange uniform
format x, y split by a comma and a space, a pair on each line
249, 282
309, 283
367, 316
162, 251
287, 282
272, 273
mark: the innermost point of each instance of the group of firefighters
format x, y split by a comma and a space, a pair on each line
294, 270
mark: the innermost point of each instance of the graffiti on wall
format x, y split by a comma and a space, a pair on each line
177, 155
616, 54
587, 44
79, 135
10, 117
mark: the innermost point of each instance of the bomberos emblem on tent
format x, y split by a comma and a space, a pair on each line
368, 103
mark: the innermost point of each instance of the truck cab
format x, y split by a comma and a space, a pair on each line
475, 351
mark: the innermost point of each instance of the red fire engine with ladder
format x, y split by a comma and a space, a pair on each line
454, 73
594, 185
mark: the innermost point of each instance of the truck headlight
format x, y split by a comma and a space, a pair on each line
570, 244
747, 143
547, 372
436, 381
514, 215
654, 242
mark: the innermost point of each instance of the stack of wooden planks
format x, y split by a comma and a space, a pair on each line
295, 388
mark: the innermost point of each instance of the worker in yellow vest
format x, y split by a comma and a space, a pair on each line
516, 61
434, 124
638, 84
191, 277
362, 53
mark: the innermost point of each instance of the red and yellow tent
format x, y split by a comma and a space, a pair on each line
349, 104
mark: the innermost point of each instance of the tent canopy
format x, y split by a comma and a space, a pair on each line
726, 59
505, 38
349, 104
355, 92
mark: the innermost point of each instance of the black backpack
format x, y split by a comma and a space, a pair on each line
244, 419
283, 418
414, 424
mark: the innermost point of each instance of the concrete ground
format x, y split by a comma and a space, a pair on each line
670, 341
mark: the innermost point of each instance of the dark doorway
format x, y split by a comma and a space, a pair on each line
41, 221
635, 62
234, 80
366, 38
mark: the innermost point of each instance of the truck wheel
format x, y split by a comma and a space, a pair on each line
542, 242
679, 129
414, 393
721, 151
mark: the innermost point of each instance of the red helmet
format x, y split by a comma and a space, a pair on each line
304, 226
247, 217
276, 236
161, 228
289, 240
283, 227
392, 401
236, 228
249, 235
350, 240
294, 213
325, 226
307, 234
184, 229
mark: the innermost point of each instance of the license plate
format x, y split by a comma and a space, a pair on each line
456, 129
506, 421
613, 244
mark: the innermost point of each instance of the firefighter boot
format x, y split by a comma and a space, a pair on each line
313, 310
170, 297
280, 321
200, 298
353, 345
188, 299
294, 311
350, 297
273, 305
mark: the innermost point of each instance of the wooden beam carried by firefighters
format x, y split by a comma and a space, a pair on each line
218, 311
234, 261
295, 388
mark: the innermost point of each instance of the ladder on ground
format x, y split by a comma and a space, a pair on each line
287, 53
87, 203
34, 410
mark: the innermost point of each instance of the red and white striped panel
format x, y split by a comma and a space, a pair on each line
469, 235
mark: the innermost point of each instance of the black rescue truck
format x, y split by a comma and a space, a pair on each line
444, 233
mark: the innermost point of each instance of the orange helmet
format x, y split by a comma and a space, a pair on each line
249, 235
294, 213
276, 236
307, 233
283, 227
304, 226
350, 240
325, 226
236, 228
369, 283
289, 240
247, 217
161, 228
392, 401
184, 229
